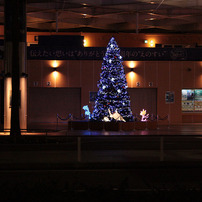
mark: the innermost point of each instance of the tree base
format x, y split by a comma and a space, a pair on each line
112, 126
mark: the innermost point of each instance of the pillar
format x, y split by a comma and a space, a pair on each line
15, 84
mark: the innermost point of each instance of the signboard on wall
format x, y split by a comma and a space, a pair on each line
93, 96
198, 100
97, 53
170, 97
191, 100
188, 100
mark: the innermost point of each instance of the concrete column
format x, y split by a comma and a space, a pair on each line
15, 58
7, 102
23, 104
7, 64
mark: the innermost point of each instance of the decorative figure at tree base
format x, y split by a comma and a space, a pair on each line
144, 115
116, 116
87, 112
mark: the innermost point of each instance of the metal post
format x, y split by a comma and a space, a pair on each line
161, 148
169, 120
146, 125
57, 122
157, 121
79, 149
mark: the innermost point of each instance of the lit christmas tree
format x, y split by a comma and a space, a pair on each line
112, 97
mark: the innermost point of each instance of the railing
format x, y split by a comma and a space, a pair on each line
137, 117
88, 146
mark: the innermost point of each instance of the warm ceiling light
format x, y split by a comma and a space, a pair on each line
84, 43
151, 43
131, 64
131, 75
55, 74
55, 64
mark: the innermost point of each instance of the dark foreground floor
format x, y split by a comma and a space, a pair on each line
115, 166
110, 182
97, 194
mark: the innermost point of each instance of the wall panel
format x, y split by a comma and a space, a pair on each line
45, 103
143, 98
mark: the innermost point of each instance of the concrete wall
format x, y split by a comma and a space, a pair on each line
164, 75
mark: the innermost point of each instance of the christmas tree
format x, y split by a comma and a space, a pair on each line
112, 96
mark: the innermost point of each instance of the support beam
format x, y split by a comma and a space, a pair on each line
15, 65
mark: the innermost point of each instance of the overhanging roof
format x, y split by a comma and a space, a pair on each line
142, 16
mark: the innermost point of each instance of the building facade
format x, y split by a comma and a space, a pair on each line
163, 72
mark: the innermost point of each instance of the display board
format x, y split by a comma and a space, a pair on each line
169, 97
198, 100
191, 100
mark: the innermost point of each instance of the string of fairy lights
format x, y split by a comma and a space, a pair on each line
112, 94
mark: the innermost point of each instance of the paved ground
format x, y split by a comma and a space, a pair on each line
173, 143
156, 165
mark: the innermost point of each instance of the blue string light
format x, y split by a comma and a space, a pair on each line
112, 93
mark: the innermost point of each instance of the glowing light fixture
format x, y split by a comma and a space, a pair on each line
84, 43
55, 73
131, 64
132, 75
84, 15
151, 43
55, 64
